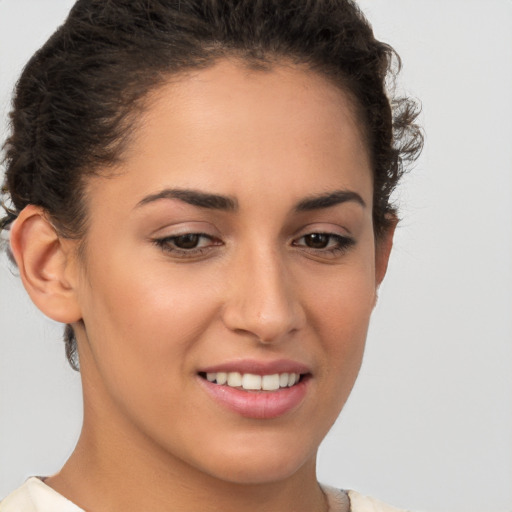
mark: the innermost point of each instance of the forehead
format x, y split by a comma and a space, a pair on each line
277, 97
233, 127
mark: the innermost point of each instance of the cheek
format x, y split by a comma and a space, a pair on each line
340, 301
341, 323
143, 331
146, 312
142, 324
339, 312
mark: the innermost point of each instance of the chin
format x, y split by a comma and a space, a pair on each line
263, 461
259, 472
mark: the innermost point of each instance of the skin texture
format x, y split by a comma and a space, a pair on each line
149, 319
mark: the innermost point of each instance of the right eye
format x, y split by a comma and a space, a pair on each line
188, 244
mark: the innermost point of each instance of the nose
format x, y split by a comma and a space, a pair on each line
262, 297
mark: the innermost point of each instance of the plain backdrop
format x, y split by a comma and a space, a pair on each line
429, 424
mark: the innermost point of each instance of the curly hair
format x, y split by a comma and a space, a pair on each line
79, 95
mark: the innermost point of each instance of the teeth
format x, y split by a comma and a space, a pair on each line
270, 382
234, 379
250, 381
222, 378
253, 382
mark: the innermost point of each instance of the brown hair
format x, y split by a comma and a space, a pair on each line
78, 95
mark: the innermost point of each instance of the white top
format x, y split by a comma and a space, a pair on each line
35, 496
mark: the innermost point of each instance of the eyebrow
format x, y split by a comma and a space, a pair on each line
195, 198
226, 203
329, 199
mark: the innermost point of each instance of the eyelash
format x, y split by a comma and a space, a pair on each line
168, 244
342, 244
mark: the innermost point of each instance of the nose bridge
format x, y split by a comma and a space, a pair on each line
262, 300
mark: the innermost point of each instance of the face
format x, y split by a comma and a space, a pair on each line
230, 274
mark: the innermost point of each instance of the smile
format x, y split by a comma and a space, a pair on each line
257, 390
253, 382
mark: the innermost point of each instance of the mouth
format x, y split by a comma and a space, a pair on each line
252, 381
257, 390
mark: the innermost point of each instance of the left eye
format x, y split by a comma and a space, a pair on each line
318, 240
188, 241
324, 242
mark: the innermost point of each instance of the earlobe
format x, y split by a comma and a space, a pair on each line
45, 265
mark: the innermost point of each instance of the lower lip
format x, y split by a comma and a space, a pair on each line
262, 405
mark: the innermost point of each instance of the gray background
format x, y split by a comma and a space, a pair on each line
429, 425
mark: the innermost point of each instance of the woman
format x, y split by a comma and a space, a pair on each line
200, 191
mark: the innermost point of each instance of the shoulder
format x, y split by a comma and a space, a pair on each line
343, 501
35, 496
360, 503
19, 501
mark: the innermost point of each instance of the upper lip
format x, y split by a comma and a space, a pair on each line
258, 367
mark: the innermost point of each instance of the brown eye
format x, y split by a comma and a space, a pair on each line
188, 245
317, 240
327, 245
188, 241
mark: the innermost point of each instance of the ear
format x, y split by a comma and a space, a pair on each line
46, 264
383, 245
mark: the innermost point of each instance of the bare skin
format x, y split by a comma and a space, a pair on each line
170, 289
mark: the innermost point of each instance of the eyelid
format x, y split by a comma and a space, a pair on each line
325, 228
181, 228
342, 238
166, 245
